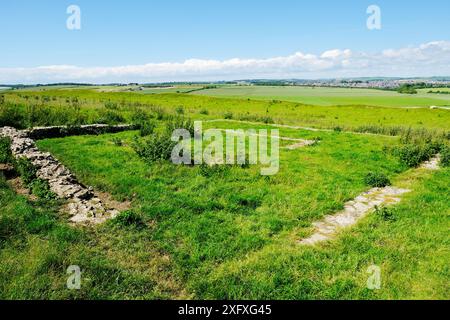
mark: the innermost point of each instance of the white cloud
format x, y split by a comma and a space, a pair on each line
428, 59
336, 54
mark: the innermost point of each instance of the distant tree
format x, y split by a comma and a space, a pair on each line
407, 89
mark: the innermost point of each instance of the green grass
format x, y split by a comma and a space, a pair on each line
329, 96
91, 108
233, 236
175, 89
231, 233
436, 92
211, 227
37, 246
411, 249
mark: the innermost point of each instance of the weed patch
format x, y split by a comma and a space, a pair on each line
213, 170
377, 180
41, 189
12, 115
110, 117
228, 115
385, 214
418, 146
154, 148
179, 110
117, 142
5, 150
180, 123
127, 219
26, 170
147, 128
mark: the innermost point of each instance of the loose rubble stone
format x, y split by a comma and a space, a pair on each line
84, 206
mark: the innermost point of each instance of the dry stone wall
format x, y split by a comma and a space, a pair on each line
83, 205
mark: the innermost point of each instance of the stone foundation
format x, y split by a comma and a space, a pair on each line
359, 207
353, 211
83, 205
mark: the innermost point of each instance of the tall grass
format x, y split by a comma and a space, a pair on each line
400, 131
159, 145
419, 145
23, 116
88, 106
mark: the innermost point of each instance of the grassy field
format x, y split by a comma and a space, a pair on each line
174, 89
37, 246
59, 107
116, 88
434, 91
229, 233
329, 96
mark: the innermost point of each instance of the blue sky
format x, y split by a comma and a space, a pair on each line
137, 32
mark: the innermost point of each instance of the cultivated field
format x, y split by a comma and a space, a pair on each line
227, 232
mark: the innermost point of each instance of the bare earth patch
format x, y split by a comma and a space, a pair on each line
19, 188
109, 201
15, 182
